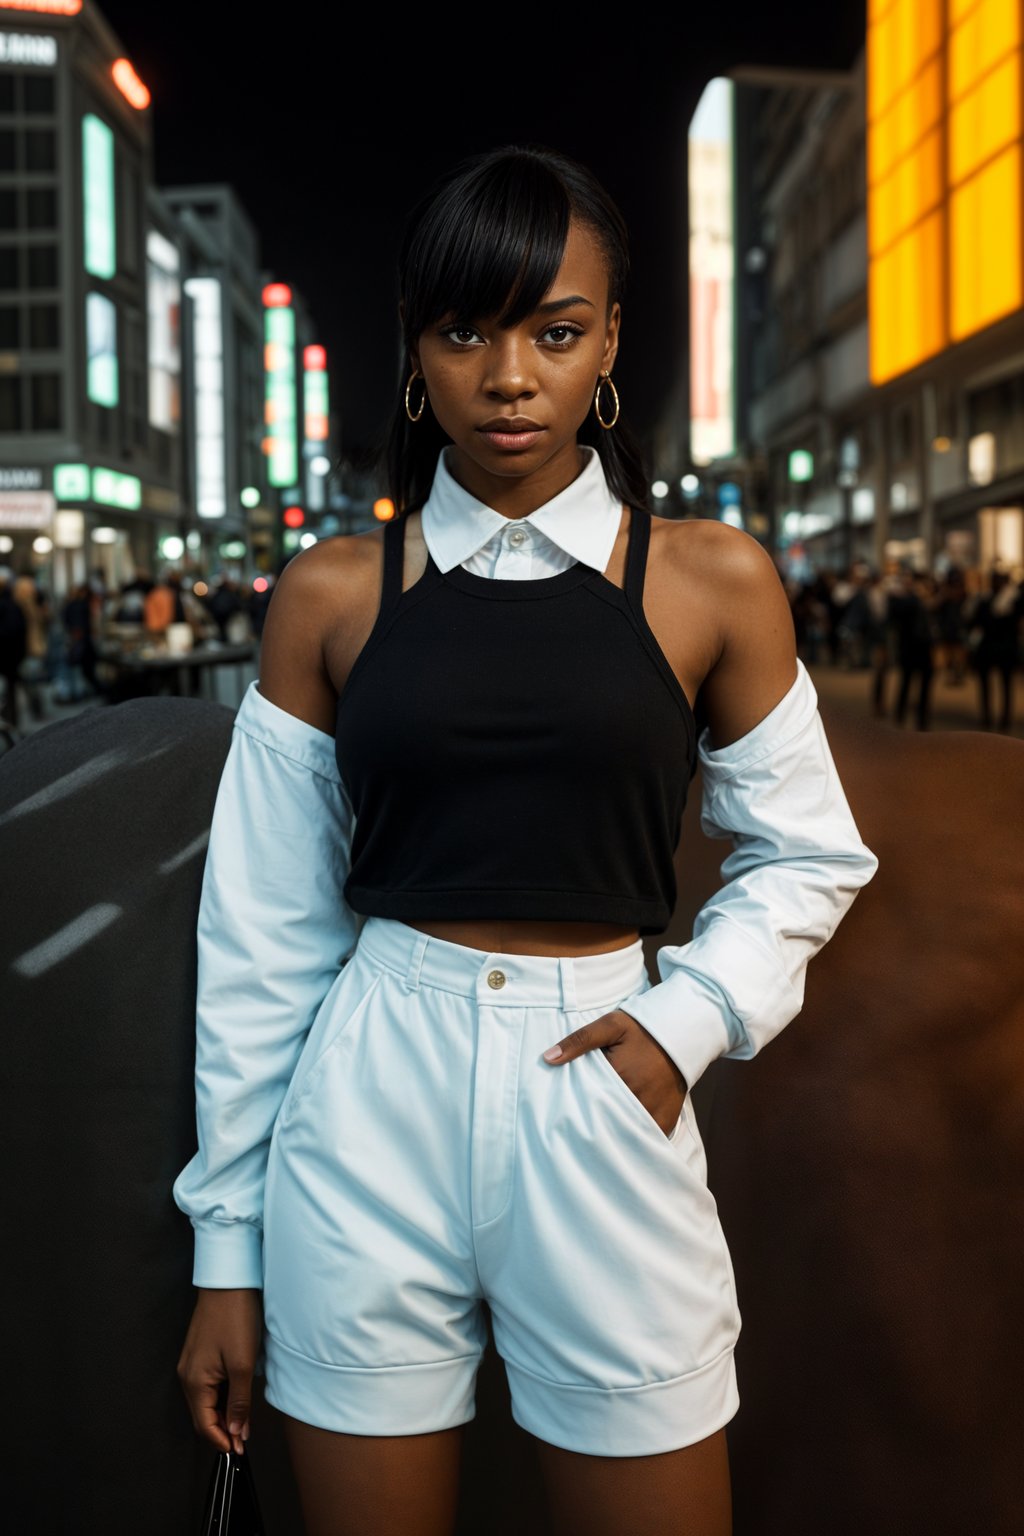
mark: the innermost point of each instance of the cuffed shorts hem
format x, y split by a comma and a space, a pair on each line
627, 1421
370, 1400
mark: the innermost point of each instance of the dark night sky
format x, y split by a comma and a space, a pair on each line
328, 135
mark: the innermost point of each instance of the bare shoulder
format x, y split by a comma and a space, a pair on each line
742, 593
331, 584
724, 558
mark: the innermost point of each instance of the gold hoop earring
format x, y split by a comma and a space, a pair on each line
606, 379
415, 374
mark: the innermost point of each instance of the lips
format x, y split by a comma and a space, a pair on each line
510, 424
511, 434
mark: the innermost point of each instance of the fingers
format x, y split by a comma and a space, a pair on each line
201, 1393
239, 1401
219, 1359
607, 1030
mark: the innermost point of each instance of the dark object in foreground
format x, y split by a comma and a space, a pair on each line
232, 1508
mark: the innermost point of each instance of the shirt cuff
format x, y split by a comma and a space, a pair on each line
691, 1016
228, 1256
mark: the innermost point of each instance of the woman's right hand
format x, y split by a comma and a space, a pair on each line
223, 1343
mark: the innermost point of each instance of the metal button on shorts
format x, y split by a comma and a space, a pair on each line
427, 1157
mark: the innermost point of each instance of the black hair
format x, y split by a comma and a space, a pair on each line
488, 238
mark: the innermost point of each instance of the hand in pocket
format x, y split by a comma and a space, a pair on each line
644, 1066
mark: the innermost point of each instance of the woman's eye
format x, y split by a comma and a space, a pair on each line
566, 334
458, 333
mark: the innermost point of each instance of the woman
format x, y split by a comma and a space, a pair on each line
460, 779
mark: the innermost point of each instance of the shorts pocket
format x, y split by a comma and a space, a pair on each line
342, 1012
609, 1070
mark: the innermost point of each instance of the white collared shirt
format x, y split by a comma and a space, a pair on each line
274, 928
580, 523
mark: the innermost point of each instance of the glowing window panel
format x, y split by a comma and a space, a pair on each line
208, 377
985, 120
979, 38
985, 246
944, 174
101, 349
98, 201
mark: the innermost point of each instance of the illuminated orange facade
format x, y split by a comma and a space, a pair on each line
944, 169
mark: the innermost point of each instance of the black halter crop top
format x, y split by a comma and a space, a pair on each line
515, 749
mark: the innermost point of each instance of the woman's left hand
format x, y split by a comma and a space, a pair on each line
644, 1066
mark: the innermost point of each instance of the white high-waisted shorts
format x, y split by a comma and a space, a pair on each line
426, 1156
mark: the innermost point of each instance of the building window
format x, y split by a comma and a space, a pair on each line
6, 94
8, 144
128, 223
9, 328
8, 209
9, 266
42, 266
10, 403
39, 94
41, 207
40, 149
43, 327
45, 402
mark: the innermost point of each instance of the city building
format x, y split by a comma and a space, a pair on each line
134, 337
857, 300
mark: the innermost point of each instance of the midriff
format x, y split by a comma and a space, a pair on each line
521, 936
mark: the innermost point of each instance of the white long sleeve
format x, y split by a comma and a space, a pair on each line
797, 864
273, 932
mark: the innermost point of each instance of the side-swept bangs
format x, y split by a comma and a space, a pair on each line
490, 245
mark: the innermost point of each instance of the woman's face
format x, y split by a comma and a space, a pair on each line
544, 370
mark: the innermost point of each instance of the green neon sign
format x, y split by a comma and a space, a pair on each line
98, 200
71, 482
279, 336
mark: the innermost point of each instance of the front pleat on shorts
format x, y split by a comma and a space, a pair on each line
426, 1158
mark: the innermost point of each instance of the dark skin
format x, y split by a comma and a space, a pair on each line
717, 608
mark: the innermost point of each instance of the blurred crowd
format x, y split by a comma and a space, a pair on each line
898, 624
963, 624
61, 652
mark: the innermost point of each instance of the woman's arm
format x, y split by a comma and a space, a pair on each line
273, 929
798, 860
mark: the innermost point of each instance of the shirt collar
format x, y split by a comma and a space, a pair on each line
583, 519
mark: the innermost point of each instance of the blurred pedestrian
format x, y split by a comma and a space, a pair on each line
911, 616
995, 632
259, 603
12, 645
855, 619
78, 671
163, 604
951, 651
224, 603
35, 605
877, 639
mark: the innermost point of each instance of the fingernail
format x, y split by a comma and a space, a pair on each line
552, 1053
245, 1432
234, 1427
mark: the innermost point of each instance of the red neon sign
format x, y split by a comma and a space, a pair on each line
44, 7
129, 84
